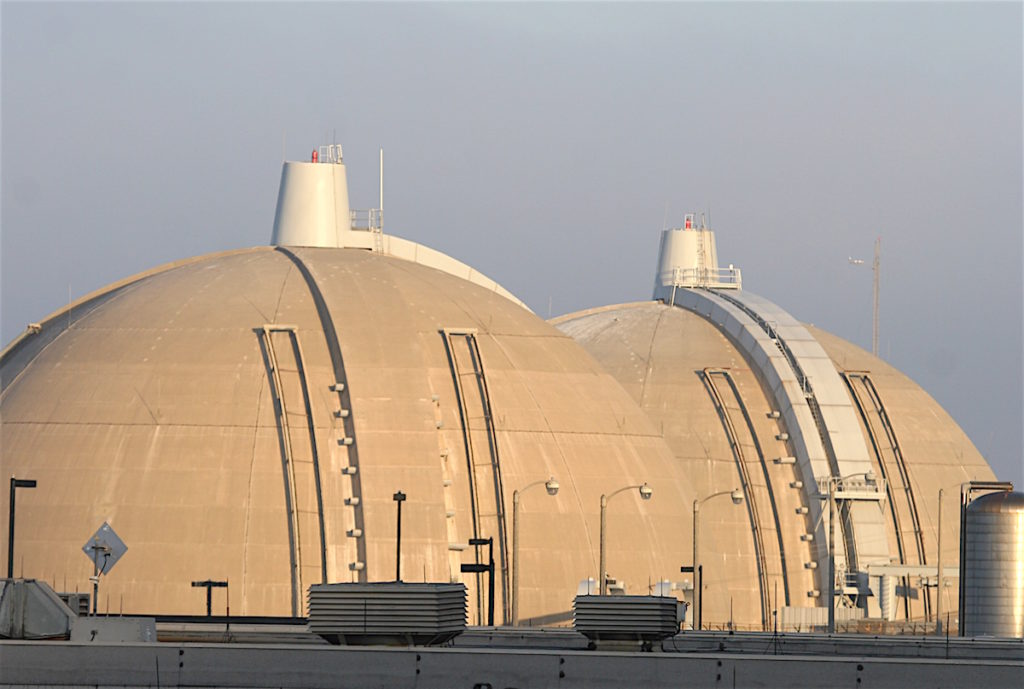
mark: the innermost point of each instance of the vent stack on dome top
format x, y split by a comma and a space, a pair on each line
313, 210
688, 258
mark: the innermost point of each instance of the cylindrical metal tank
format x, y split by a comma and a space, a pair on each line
994, 566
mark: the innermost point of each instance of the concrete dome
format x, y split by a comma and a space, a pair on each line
249, 415
711, 373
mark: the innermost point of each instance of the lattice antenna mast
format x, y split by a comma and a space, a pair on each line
876, 269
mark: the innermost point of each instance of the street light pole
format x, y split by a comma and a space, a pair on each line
399, 498
645, 493
15, 484
696, 552
602, 584
831, 557
552, 487
938, 597
698, 596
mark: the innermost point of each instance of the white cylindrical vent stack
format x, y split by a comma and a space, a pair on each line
312, 206
678, 252
688, 257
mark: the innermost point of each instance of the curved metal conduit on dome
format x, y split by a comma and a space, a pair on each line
348, 439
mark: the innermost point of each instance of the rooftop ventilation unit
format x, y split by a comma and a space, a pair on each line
626, 618
29, 609
389, 613
78, 602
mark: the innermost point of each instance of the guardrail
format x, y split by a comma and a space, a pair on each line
853, 489
368, 220
329, 153
714, 278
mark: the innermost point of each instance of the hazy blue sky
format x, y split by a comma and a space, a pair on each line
545, 144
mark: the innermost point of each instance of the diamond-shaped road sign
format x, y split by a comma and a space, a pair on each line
104, 548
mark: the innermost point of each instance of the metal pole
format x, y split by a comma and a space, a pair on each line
831, 557
16, 483
490, 582
95, 576
602, 587
963, 530
399, 497
696, 584
938, 596
876, 268
515, 558
10, 535
700, 608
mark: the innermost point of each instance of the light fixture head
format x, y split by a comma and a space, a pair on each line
646, 492
551, 486
737, 496
870, 476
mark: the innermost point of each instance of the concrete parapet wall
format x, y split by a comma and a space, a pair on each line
26, 664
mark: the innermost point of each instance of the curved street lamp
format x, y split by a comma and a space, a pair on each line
552, 487
645, 493
698, 596
869, 476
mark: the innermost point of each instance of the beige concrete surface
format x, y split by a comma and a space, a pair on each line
165, 408
660, 355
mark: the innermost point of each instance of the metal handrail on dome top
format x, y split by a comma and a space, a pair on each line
367, 220
713, 278
329, 153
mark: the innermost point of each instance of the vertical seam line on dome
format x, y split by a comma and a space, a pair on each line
648, 364
479, 322
338, 365
255, 437
248, 500
561, 454
99, 301
91, 302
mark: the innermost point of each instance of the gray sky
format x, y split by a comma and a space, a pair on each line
545, 144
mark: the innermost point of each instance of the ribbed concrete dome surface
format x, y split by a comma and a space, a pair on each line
197, 409
674, 361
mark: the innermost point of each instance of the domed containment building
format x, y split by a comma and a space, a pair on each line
750, 398
249, 416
